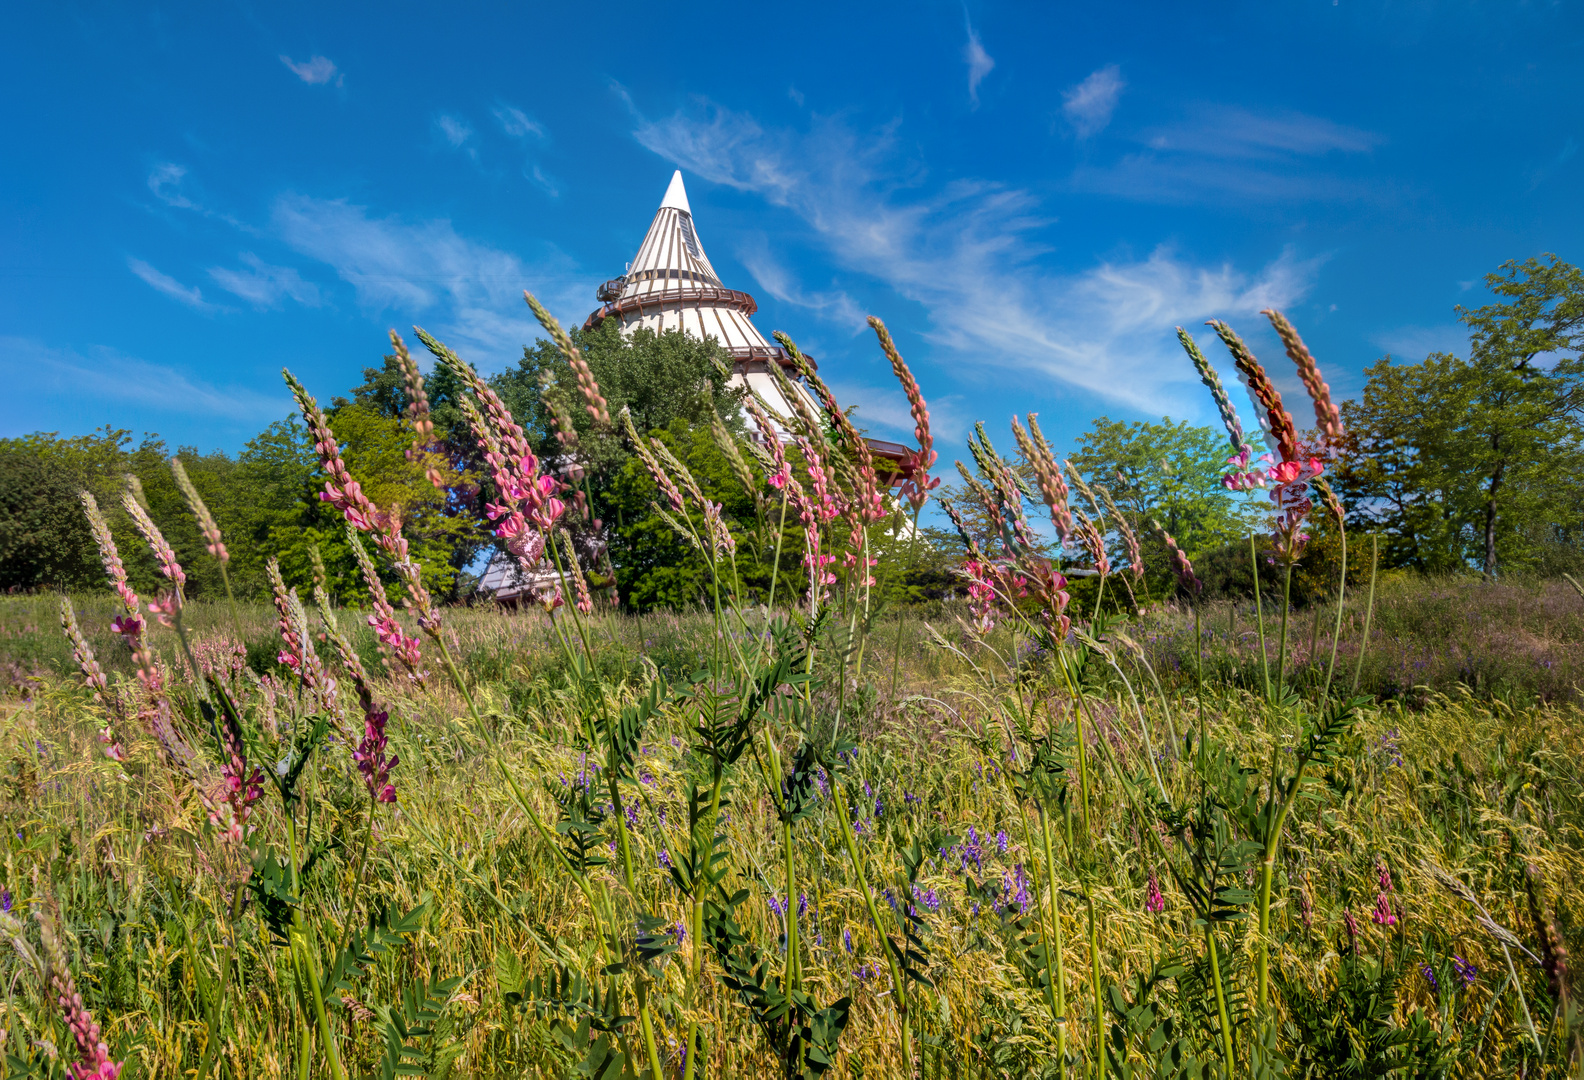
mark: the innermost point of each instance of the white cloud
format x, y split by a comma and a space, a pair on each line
517, 123
979, 62
551, 186
1227, 153
264, 285
108, 375
455, 131
314, 71
165, 181
1228, 131
972, 255
1414, 343
168, 285
1089, 105
425, 270
886, 407
774, 278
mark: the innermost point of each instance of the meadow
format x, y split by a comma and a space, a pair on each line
1023, 834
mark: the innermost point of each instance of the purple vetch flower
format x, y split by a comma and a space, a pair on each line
777, 905
630, 811
1017, 887
681, 932
1001, 841
869, 791
867, 972
972, 850
908, 798
879, 810
665, 859
847, 938
5, 900
1430, 978
928, 897
1465, 970
802, 904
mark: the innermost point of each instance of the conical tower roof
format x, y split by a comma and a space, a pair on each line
670, 285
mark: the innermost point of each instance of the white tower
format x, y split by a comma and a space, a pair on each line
670, 285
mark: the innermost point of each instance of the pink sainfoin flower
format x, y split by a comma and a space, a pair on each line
1328, 418
1207, 375
772, 443
298, 652
346, 495
1243, 478
94, 677
1091, 540
393, 640
981, 595
1280, 433
108, 553
867, 505
417, 411
93, 1054
156, 542
1046, 474
916, 483
1383, 914
1154, 903
242, 786
1350, 924
1180, 564
200, 510
371, 759
596, 405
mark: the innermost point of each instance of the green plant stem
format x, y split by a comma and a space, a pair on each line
1220, 995
1336, 636
1094, 981
1259, 614
211, 1039
307, 970
1281, 650
1199, 685
898, 987
1055, 962
896, 659
1369, 611
1268, 873
231, 600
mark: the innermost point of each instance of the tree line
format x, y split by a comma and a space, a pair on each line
1455, 462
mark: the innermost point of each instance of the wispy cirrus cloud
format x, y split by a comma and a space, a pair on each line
973, 254
315, 71
45, 373
161, 282
1224, 152
1089, 105
1413, 343
776, 280
427, 270
518, 124
265, 286
456, 132
980, 63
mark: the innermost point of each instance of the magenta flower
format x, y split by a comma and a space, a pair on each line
1155, 903
371, 759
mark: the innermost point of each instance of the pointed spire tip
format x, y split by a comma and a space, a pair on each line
676, 195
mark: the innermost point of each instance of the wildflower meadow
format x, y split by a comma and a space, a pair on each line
1079, 820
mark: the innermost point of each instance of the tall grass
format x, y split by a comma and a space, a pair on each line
568, 842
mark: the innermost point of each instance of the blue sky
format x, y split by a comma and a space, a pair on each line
1031, 196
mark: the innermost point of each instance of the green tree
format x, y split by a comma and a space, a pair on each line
1170, 471
1475, 460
